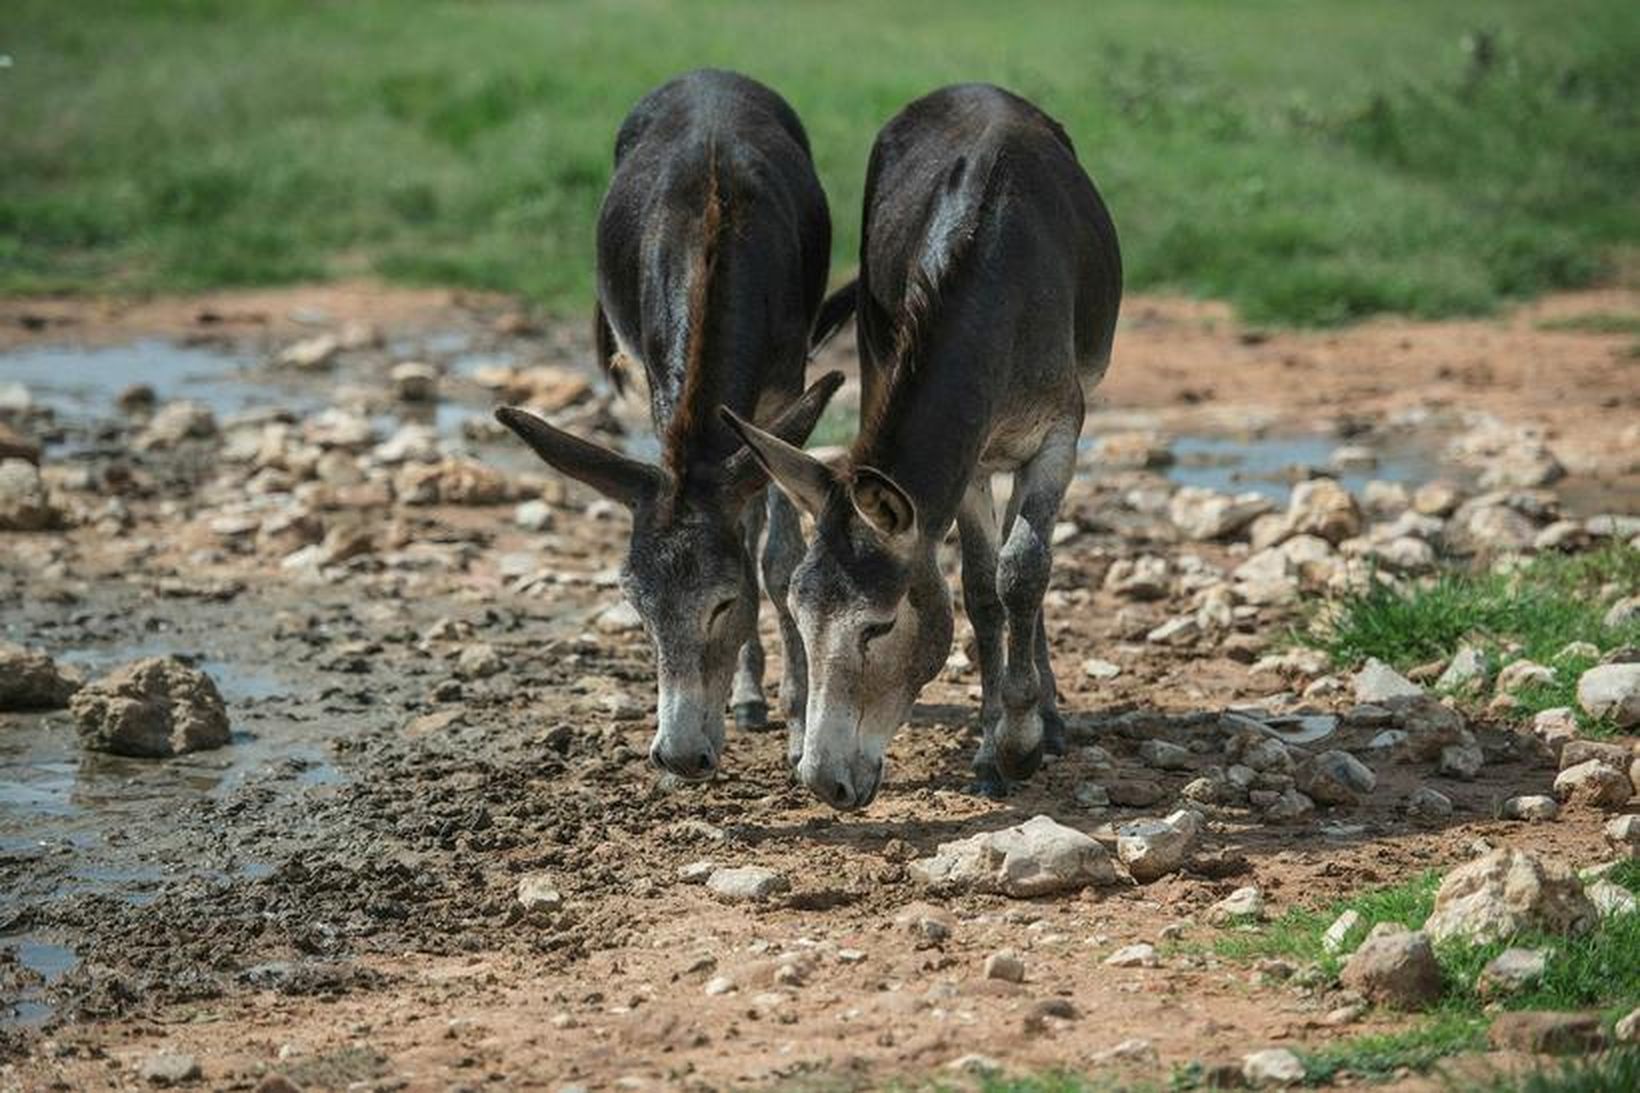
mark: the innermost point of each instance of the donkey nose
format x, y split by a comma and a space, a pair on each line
837, 790
692, 765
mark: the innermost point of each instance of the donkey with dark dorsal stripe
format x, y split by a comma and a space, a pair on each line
713, 247
989, 284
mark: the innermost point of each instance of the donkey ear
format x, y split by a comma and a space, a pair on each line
803, 478
616, 476
744, 473
882, 503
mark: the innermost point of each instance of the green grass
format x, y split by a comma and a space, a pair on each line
1594, 323
1580, 974
1534, 613
1311, 162
1615, 1071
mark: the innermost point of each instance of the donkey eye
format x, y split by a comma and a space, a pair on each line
874, 631
719, 611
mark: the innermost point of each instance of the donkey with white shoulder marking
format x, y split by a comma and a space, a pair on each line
989, 284
713, 248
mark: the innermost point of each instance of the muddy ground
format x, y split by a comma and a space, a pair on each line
424, 717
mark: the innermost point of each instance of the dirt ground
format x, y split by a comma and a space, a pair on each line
331, 898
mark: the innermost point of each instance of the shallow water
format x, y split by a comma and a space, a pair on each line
1271, 464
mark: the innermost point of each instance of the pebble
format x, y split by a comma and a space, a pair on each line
1534, 808
1623, 834
533, 516
167, 1068
1338, 934
1428, 806
718, 984
1377, 683
1154, 848
746, 884
1272, 1067
1005, 965
1139, 955
697, 872
1244, 902
1164, 755
536, 892
1094, 668
1611, 899
1511, 971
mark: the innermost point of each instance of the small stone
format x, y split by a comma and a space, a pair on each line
1544, 1033
746, 884
31, 680
697, 872
1463, 761
1593, 784
974, 1064
1556, 728
1338, 934
1519, 675
1148, 577
1272, 1068
1466, 672
1622, 613
1164, 755
1611, 899
1134, 792
478, 661
1623, 834
1094, 668
1338, 778
534, 516
618, 618
1135, 1050
167, 1068
1245, 902
1428, 806
1289, 805
1533, 808
1203, 514
927, 925
536, 893
1627, 1029
1510, 972
1176, 631
1140, 955
1378, 683
311, 353
1398, 970
718, 984
152, 708
1612, 692
1038, 857
1005, 965
1091, 795
415, 381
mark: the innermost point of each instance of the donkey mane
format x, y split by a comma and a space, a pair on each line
948, 227
693, 410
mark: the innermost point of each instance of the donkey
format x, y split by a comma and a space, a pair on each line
990, 279
713, 249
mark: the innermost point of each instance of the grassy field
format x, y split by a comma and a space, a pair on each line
1310, 160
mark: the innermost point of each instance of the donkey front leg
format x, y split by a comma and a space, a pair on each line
781, 553
977, 528
1022, 579
751, 711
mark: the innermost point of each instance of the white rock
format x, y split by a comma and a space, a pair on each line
1153, 848
1005, 965
1506, 892
1203, 514
1094, 668
311, 353
1521, 674
1245, 902
1623, 833
718, 984
746, 884
1532, 808
1594, 783
536, 892
1272, 1067
1627, 1029
1611, 691
1611, 899
1140, 955
1511, 971
1038, 857
1176, 631
25, 504
1164, 755
1323, 508
1378, 683
1338, 934
415, 381
1462, 761
533, 516
1466, 672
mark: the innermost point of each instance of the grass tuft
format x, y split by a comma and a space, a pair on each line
1534, 612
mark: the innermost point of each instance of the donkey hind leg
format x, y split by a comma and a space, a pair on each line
751, 712
977, 528
781, 553
1022, 578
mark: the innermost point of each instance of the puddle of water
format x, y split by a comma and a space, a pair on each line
83, 382
46, 959
237, 682
1269, 465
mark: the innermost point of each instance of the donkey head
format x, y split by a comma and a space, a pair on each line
873, 610
687, 571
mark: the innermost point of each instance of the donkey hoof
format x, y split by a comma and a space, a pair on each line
988, 782
1018, 766
1053, 733
751, 716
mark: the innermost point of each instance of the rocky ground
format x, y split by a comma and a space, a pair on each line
386, 817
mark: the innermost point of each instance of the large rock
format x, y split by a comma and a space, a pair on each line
1273, 1067
1337, 778
1395, 969
1153, 848
1595, 784
1323, 508
152, 708
1036, 858
1507, 892
1205, 514
1611, 691
24, 502
31, 680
